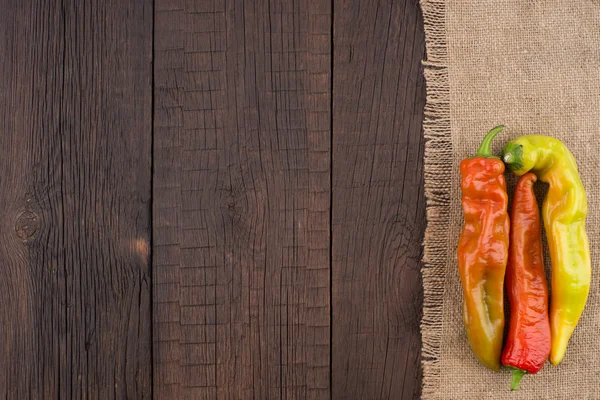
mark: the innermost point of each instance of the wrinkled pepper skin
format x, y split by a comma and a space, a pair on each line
528, 342
483, 252
564, 212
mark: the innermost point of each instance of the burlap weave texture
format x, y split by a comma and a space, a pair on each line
533, 66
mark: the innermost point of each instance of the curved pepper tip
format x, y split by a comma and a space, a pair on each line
556, 356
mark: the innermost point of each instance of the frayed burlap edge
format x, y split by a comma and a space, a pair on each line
438, 178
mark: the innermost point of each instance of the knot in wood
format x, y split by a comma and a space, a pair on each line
27, 225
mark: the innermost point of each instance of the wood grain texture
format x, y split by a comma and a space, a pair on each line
242, 199
75, 156
248, 174
378, 205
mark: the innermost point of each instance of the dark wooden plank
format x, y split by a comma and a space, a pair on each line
378, 204
75, 154
242, 199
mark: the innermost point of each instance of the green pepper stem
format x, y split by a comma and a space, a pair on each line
512, 155
485, 147
517, 374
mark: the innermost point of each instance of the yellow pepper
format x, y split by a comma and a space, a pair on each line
564, 211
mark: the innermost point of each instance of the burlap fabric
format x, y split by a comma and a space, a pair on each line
533, 66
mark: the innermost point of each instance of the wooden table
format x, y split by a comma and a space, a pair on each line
211, 199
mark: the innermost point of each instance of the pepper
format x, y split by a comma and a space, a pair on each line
528, 342
564, 212
483, 251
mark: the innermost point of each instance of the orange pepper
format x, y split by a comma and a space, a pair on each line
483, 251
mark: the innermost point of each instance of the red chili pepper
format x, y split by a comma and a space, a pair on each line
528, 342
